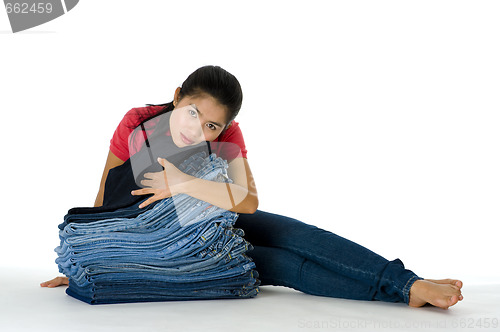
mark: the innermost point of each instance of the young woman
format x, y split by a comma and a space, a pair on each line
287, 252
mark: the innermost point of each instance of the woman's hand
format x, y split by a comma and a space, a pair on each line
57, 281
162, 184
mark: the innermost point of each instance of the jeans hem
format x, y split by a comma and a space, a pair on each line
407, 287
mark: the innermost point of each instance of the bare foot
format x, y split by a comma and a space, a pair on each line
442, 293
455, 282
58, 281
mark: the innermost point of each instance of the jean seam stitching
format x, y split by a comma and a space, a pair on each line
406, 289
342, 269
300, 269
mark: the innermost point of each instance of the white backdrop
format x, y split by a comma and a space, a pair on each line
377, 120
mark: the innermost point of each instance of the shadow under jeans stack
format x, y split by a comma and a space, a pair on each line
179, 248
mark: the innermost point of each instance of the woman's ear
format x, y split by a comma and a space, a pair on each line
177, 95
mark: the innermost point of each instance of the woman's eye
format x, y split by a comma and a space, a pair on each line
192, 113
211, 126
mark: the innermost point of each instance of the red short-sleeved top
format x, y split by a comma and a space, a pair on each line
119, 144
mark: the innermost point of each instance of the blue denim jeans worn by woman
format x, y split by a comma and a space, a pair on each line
291, 253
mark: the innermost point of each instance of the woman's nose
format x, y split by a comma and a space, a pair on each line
195, 132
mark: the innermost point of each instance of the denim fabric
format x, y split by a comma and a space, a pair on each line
286, 252
291, 253
144, 292
181, 248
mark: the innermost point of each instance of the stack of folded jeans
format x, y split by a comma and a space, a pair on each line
179, 248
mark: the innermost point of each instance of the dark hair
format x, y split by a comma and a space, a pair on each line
210, 80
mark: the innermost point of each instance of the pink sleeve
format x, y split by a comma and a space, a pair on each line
119, 141
237, 149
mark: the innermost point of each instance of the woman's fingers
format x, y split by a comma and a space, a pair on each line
154, 175
145, 191
145, 203
155, 180
150, 200
58, 281
162, 161
155, 184
147, 183
151, 187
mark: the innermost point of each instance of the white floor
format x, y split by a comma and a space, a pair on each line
25, 306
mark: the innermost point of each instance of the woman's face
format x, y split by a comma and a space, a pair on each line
196, 119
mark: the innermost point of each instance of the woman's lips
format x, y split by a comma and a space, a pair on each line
186, 140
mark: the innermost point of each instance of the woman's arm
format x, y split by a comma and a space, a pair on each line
239, 196
111, 162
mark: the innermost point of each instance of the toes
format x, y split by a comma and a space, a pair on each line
453, 300
454, 282
445, 303
455, 292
